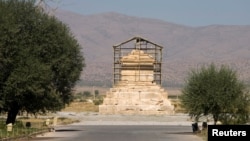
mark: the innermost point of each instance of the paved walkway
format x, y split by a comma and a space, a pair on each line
89, 118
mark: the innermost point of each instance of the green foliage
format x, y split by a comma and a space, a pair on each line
40, 60
2, 124
98, 101
83, 96
19, 124
87, 94
19, 131
218, 92
96, 92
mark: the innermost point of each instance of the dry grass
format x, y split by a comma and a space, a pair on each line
81, 107
203, 134
173, 93
40, 122
35, 122
91, 107
177, 106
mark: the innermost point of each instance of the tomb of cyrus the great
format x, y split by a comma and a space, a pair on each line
137, 80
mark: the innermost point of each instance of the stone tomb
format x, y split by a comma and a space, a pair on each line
137, 93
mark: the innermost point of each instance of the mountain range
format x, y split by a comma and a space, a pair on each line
184, 47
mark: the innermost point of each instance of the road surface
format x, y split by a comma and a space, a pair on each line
120, 133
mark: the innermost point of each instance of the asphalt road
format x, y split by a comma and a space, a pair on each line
120, 133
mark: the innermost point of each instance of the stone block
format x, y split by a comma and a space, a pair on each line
137, 99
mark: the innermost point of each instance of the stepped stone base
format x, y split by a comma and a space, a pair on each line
140, 98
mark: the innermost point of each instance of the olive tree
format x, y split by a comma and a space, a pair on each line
40, 60
216, 91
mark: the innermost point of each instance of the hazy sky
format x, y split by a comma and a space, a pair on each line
185, 12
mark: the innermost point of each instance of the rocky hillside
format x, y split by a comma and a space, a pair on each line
184, 47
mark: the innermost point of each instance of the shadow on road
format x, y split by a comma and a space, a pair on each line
67, 130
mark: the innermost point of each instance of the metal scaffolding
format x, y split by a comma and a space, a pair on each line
138, 43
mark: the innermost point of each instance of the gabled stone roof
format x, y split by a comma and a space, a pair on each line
137, 56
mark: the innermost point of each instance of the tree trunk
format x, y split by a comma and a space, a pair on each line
12, 113
215, 117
